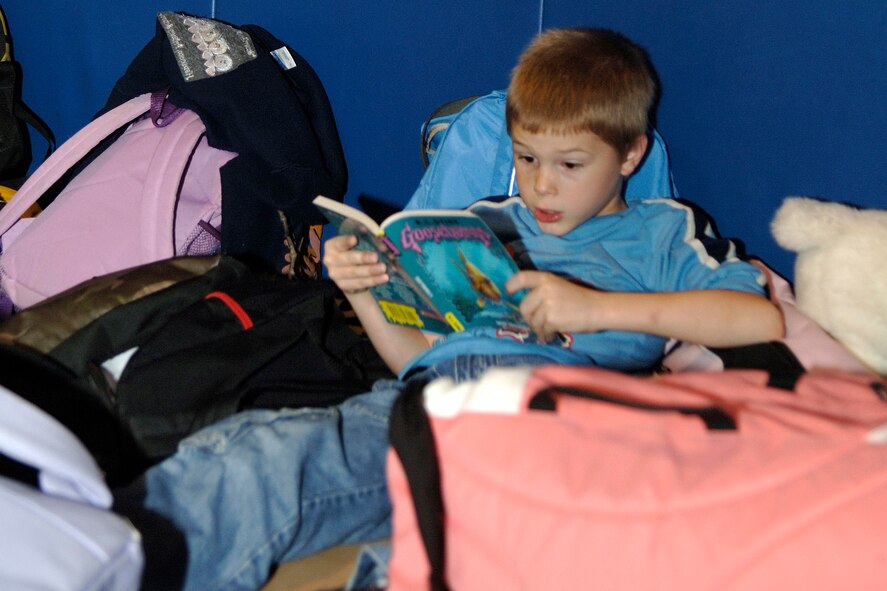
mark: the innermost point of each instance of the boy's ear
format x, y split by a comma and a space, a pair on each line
634, 155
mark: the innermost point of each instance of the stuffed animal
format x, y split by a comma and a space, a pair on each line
840, 271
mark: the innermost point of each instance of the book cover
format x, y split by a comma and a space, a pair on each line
447, 268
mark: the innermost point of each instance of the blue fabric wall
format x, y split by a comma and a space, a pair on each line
761, 99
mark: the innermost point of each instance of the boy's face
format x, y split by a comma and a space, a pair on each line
566, 179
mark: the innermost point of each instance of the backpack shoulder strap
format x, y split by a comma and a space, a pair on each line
24, 112
472, 158
409, 430
437, 122
69, 154
161, 188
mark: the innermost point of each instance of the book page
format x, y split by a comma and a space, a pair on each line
447, 269
458, 262
340, 213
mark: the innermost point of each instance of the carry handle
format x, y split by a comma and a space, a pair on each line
714, 417
163, 111
74, 150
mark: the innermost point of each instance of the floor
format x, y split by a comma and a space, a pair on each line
325, 571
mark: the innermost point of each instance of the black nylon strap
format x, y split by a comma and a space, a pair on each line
413, 441
24, 112
12, 468
713, 417
775, 357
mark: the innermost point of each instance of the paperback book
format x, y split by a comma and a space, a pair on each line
447, 269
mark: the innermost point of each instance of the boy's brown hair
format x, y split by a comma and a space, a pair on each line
583, 79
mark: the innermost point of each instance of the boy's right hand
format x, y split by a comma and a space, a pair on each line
353, 271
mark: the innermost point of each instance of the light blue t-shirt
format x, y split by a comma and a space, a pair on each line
654, 245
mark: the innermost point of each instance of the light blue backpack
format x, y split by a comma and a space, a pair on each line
467, 151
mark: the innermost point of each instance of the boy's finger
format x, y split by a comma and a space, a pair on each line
341, 243
522, 280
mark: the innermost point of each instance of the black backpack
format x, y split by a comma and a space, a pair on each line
207, 347
15, 117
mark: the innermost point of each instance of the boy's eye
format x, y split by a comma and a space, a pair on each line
526, 158
572, 165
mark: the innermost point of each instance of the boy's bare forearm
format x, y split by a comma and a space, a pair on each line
716, 317
395, 344
355, 272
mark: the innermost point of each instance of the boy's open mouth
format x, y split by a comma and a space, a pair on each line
547, 216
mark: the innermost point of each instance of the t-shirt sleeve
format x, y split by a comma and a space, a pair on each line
698, 258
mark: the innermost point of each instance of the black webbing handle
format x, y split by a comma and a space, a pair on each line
714, 417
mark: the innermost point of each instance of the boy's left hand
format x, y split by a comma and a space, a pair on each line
555, 305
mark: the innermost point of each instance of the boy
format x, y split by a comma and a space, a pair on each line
607, 283
616, 280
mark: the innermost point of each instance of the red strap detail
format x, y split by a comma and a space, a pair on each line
239, 312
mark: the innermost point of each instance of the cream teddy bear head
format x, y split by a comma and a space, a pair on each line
840, 271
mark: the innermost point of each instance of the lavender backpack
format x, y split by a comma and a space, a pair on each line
153, 194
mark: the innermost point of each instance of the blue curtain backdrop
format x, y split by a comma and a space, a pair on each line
761, 100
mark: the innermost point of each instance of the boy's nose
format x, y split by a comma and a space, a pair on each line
544, 182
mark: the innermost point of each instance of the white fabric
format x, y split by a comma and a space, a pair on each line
498, 390
53, 544
66, 467
61, 537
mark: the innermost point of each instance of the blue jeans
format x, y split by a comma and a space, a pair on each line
263, 487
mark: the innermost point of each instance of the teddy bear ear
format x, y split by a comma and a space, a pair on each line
804, 223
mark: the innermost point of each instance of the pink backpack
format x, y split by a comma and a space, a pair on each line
691, 481
805, 346
153, 194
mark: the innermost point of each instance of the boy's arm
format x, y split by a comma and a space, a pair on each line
711, 317
354, 272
